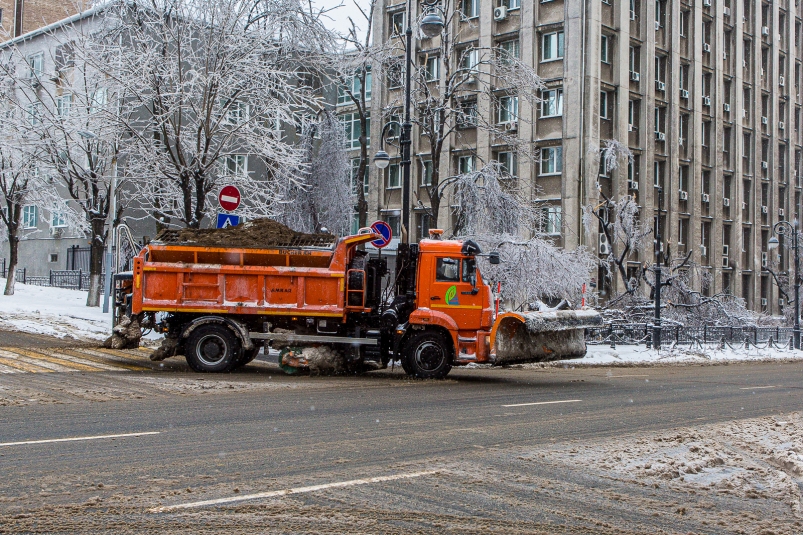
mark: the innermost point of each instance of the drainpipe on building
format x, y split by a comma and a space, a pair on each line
19, 6
581, 192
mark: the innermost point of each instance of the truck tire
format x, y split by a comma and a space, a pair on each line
427, 355
211, 348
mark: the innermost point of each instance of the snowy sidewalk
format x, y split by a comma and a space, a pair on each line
632, 355
52, 311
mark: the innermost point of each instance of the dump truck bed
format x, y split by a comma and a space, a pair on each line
303, 281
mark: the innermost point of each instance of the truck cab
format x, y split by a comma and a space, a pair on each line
452, 318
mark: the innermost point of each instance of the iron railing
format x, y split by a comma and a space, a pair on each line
641, 333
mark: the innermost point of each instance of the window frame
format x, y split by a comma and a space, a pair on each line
559, 45
26, 217
389, 184
604, 49
558, 100
512, 115
556, 159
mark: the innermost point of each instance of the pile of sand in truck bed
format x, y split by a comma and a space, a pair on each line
254, 234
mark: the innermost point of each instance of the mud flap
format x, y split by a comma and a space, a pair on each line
541, 336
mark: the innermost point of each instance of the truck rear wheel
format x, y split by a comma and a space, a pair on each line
427, 356
211, 348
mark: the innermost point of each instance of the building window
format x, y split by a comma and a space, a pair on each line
683, 23
471, 9
551, 220
397, 23
470, 60
508, 109
58, 219
432, 66
422, 225
468, 114
53, 258
34, 113
465, 165
393, 218
351, 123
63, 105
354, 87
395, 70
236, 112
633, 114
509, 162
426, 172
603, 49
237, 165
29, 216
603, 105
552, 103
36, 65
394, 176
509, 50
354, 171
512, 4
659, 14
552, 46
551, 160
705, 133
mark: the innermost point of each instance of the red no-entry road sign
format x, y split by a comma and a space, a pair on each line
229, 198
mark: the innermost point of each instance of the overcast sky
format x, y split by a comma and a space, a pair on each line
340, 15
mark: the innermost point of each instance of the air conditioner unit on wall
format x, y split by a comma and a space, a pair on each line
763, 301
635, 76
726, 11
500, 13
781, 125
764, 209
706, 3
765, 120
764, 262
726, 202
781, 81
604, 246
660, 136
726, 107
511, 126
657, 25
765, 31
706, 198
781, 302
660, 86
707, 102
706, 47
683, 195
703, 250
780, 212
684, 93
632, 15
632, 184
765, 165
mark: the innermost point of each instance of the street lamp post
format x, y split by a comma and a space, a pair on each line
785, 228
431, 25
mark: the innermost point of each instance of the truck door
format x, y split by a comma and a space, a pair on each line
452, 291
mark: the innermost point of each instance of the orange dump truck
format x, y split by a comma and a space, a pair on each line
321, 305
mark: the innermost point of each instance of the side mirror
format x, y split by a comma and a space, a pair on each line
494, 258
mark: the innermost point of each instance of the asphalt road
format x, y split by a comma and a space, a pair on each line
258, 431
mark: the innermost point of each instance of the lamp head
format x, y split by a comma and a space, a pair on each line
432, 24
773, 243
382, 159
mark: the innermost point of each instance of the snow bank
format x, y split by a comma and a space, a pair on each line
52, 311
632, 355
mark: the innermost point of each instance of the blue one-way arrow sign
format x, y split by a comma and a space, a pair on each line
227, 220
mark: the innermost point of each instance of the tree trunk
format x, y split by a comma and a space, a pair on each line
362, 203
96, 263
13, 258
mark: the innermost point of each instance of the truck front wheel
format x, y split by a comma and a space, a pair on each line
211, 348
427, 356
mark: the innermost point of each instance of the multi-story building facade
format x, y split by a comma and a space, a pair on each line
705, 93
22, 16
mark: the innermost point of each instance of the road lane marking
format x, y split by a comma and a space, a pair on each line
287, 492
117, 361
543, 403
756, 387
75, 439
642, 375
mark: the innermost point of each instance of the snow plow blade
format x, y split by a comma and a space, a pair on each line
520, 337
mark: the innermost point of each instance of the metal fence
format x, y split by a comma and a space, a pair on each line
74, 280
78, 258
641, 333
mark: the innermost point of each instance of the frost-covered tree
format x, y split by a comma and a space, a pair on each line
458, 88
16, 190
215, 83
325, 198
493, 210
69, 122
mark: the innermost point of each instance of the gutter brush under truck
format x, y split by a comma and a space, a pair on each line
219, 305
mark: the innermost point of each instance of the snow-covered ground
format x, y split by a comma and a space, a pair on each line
52, 311
630, 355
